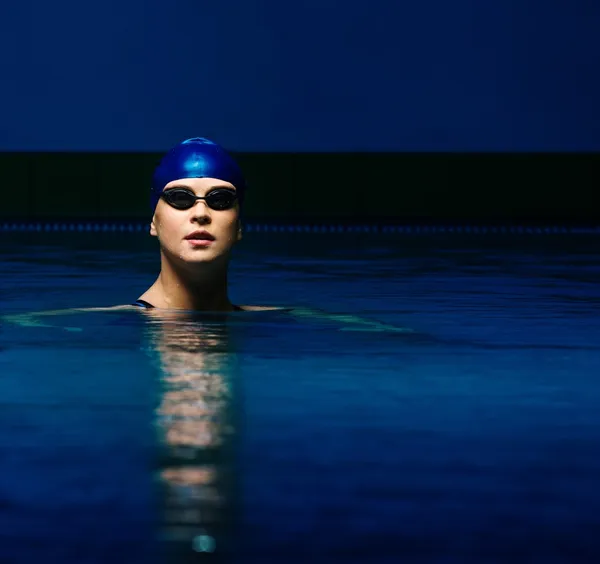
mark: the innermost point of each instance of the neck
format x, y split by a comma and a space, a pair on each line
200, 289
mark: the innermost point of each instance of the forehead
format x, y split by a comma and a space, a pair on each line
199, 185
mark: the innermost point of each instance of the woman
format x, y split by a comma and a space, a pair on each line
197, 193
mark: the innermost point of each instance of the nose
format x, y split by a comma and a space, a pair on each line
201, 213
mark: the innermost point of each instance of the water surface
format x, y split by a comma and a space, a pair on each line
265, 437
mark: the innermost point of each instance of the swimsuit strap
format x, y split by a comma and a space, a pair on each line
142, 303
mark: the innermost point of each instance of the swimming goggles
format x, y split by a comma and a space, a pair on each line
184, 199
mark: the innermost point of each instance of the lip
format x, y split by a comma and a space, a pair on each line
200, 242
200, 236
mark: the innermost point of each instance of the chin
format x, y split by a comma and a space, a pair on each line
204, 256
199, 258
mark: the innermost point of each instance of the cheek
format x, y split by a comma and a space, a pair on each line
167, 226
232, 228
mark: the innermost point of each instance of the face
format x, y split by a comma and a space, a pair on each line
174, 227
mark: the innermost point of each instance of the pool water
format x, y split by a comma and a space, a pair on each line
268, 437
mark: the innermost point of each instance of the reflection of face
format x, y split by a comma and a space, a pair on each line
195, 425
171, 225
195, 374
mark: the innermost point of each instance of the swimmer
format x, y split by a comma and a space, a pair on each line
197, 195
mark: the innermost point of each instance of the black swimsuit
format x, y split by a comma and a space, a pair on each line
147, 305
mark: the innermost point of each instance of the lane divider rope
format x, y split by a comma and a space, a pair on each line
131, 227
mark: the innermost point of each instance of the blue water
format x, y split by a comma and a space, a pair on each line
266, 437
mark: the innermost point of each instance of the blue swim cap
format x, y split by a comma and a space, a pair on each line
196, 158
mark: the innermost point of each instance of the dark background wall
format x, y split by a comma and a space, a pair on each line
321, 101
321, 187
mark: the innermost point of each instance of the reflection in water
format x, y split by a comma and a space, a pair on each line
196, 431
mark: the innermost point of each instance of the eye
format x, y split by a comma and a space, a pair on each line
180, 198
221, 199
